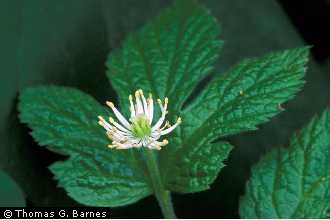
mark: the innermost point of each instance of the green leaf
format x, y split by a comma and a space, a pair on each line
168, 56
247, 95
195, 167
96, 179
293, 182
11, 194
65, 119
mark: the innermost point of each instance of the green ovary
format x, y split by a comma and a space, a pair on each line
141, 127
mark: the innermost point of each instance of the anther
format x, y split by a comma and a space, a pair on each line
111, 120
110, 104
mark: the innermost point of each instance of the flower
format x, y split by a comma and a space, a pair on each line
138, 131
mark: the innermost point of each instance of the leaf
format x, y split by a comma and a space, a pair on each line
10, 193
65, 119
34, 52
293, 182
168, 56
96, 179
247, 95
197, 167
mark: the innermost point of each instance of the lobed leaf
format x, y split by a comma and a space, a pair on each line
168, 56
65, 119
293, 182
246, 96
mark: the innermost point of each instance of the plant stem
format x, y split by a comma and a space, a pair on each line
163, 196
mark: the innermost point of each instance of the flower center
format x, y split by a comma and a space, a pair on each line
140, 126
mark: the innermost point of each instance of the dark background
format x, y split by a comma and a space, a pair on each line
66, 42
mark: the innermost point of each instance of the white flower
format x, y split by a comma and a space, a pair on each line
138, 131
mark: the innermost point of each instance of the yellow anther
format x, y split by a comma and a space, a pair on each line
159, 101
110, 104
150, 95
111, 146
141, 92
111, 120
179, 120
130, 97
165, 141
137, 94
166, 100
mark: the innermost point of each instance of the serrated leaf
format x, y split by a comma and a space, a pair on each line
96, 179
294, 182
168, 56
249, 94
246, 96
198, 167
65, 119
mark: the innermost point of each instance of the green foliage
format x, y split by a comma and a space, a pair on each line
293, 182
66, 120
10, 193
247, 95
168, 57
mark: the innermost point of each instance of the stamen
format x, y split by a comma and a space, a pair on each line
112, 121
151, 109
132, 109
145, 105
168, 130
139, 108
110, 104
119, 116
138, 133
103, 123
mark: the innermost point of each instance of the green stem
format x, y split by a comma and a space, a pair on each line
163, 196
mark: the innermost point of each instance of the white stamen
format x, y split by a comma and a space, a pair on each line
166, 131
145, 106
140, 132
112, 121
132, 109
139, 108
151, 108
119, 116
